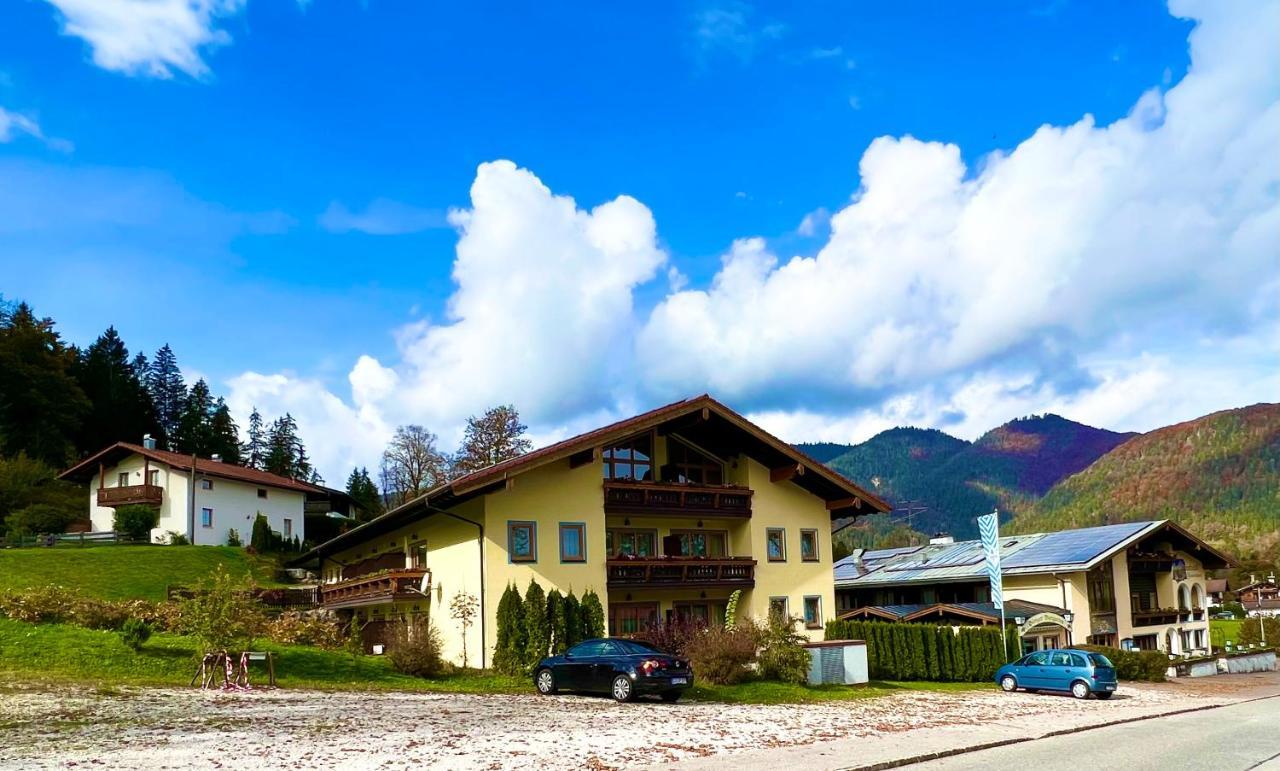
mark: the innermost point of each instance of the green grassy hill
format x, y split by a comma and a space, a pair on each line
126, 572
955, 481
1218, 475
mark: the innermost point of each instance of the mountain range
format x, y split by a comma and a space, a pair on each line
1216, 475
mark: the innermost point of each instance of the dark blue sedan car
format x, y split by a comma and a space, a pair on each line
623, 669
1080, 672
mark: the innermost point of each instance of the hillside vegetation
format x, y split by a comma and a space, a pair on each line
1218, 475
955, 481
126, 572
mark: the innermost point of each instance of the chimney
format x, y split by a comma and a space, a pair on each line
856, 554
216, 458
148, 442
941, 539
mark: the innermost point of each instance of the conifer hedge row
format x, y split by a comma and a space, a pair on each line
926, 651
539, 624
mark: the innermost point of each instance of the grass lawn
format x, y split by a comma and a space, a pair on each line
64, 653
61, 652
126, 572
1220, 631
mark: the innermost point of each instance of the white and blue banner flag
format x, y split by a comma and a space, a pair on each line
989, 529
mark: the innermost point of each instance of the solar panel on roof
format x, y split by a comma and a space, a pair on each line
1071, 547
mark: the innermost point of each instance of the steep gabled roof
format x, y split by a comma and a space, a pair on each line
86, 469
705, 420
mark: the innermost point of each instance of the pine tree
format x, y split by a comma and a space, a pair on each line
556, 620
120, 409
508, 654
364, 493
261, 537
536, 631
254, 452
194, 431
168, 393
41, 404
572, 621
592, 614
225, 435
282, 446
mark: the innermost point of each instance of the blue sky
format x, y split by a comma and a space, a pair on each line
266, 186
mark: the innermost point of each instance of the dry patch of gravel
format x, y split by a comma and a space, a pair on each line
169, 729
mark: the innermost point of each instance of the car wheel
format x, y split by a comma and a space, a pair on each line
1008, 684
1104, 695
622, 689
671, 697
1080, 689
546, 682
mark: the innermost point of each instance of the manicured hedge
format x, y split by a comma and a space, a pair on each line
1144, 666
926, 651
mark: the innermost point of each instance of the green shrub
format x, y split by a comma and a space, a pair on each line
223, 615
673, 635
572, 621
414, 648
135, 521
1252, 628
592, 616
555, 621
178, 539
233, 538
782, 655
41, 518
509, 649
135, 632
1142, 666
537, 634
294, 628
721, 655
898, 651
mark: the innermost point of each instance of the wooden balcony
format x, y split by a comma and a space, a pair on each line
682, 572
150, 495
374, 589
1155, 617
628, 497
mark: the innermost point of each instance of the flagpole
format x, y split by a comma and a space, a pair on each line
1004, 631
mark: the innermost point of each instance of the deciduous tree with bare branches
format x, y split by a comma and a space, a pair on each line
412, 464
495, 436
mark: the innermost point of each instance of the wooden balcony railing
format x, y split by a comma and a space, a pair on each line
1155, 617
130, 494
373, 589
680, 572
627, 497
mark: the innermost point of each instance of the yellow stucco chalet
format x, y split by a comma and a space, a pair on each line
663, 515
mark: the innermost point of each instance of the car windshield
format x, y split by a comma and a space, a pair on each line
635, 646
1101, 661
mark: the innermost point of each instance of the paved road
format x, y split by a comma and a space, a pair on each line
1241, 737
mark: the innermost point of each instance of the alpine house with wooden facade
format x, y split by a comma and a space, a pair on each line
663, 515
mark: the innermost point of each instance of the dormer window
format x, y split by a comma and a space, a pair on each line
691, 466
630, 459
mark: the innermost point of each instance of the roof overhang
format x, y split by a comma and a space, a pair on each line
701, 420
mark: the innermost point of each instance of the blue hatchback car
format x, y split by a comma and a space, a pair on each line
1079, 672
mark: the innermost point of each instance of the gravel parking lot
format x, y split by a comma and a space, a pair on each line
166, 729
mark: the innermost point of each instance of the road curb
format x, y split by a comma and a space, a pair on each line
900, 762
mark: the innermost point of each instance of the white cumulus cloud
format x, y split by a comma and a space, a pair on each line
149, 37
1124, 275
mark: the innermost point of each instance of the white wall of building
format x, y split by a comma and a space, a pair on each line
233, 504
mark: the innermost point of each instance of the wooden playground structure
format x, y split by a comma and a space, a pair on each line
227, 672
